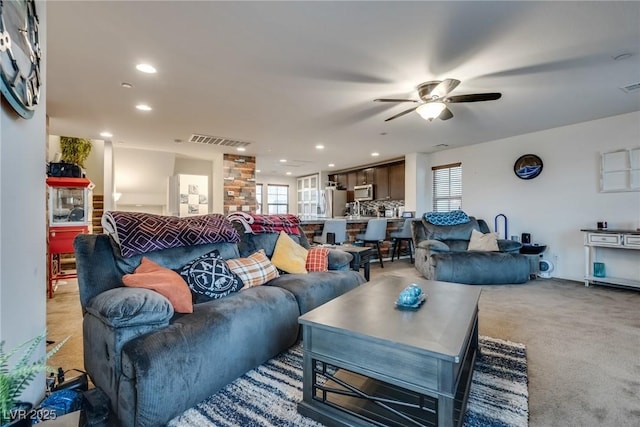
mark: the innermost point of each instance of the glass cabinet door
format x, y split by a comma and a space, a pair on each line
68, 206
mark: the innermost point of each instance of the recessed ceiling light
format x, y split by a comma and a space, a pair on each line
288, 173
143, 107
106, 134
146, 68
126, 85
375, 154
283, 160
331, 165
320, 147
241, 149
258, 171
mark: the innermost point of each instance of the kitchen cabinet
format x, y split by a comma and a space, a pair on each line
352, 180
365, 176
381, 190
387, 179
396, 181
308, 188
341, 179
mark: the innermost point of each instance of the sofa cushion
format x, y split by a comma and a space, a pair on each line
251, 243
339, 260
176, 367
487, 242
167, 282
314, 289
450, 232
173, 258
122, 307
254, 270
209, 277
479, 268
317, 259
288, 255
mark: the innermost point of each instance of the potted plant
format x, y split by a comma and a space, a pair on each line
15, 379
75, 150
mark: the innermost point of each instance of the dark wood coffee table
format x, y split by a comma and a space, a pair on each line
361, 257
367, 362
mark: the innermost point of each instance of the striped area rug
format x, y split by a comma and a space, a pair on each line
268, 395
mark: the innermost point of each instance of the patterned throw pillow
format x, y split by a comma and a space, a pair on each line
166, 282
255, 270
447, 218
209, 277
317, 259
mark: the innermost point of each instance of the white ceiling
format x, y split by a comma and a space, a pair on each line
286, 76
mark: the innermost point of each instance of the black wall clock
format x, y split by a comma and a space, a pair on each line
528, 166
20, 78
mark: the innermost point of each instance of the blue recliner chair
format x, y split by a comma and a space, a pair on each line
442, 254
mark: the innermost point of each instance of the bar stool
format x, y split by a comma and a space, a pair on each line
336, 226
402, 235
375, 232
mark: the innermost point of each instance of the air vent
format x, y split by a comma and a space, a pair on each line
633, 87
217, 140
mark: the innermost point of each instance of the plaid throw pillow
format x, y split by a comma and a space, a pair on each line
255, 270
317, 259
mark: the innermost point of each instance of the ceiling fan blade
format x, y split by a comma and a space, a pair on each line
474, 97
446, 114
402, 113
394, 100
444, 87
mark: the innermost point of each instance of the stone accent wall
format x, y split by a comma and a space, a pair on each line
239, 183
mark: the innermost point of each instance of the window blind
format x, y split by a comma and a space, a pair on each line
447, 187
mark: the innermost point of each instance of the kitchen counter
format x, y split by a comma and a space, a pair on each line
350, 219
312, 226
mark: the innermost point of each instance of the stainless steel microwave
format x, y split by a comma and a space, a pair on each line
363, 192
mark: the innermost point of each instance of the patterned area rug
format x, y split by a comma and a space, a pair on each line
268, 395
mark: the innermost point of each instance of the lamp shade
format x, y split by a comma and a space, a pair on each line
430, 110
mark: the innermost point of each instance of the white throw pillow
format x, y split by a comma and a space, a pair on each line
483, 242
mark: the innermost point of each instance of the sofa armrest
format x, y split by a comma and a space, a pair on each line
433, 246
339, 260
125, 307
509, 246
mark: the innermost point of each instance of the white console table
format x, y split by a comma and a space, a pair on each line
617, 239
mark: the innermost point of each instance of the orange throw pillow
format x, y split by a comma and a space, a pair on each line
166, 282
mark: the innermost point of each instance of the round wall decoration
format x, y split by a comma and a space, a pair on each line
20, 54
528, 166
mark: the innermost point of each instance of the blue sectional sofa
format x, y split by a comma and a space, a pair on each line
152, 363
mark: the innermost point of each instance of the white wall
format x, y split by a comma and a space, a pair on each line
141, 177
23, 222
563, 199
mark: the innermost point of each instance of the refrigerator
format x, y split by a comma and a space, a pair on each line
333, 203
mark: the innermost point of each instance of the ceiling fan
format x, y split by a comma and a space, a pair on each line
434, 99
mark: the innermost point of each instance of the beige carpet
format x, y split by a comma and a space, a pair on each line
583, 344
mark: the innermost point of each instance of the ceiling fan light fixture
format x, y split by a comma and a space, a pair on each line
430, 110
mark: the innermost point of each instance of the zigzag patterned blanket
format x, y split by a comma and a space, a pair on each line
255, 223
139, 233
